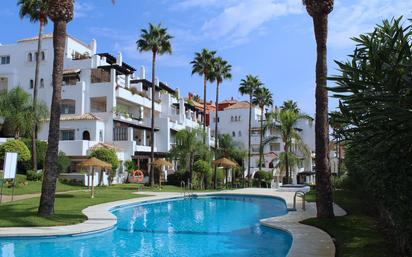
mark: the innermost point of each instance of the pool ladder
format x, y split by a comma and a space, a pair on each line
187, 189
302, 195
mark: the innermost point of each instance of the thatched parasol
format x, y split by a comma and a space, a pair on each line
161, 162
225, 163
91, 164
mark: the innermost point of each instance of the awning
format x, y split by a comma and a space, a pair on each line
134, 124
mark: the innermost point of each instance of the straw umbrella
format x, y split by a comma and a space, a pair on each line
226, 164
159, 163
93, 163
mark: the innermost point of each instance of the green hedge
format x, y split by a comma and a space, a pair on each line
16, 146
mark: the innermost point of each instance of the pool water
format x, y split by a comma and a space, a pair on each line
221, 225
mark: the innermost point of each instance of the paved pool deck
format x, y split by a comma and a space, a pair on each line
307, 241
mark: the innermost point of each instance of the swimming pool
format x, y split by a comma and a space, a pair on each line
218, 225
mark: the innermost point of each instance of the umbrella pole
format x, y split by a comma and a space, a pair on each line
92, 182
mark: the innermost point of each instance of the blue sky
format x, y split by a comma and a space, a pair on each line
269, 38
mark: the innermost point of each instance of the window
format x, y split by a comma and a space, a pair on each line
100, 76
98, 104
71, 79
239, 133
30, 57
37, 55
231, 119
275, 147
5, 59
67, 135
120, 134
233, 134
101, 135
42, 83
238, 118
235, 118
31, 84
43, 56
68, 106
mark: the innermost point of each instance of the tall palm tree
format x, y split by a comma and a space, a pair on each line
248, 86
221, 70
287, 120
202, 65
155, 40
291, 105
262, 97
319, 11
60, 12
36, 11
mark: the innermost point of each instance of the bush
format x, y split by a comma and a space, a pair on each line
106, 155
15, 146
41, 151
176, 178
63, 162
34, 175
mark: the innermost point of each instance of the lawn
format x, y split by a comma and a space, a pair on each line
68, 208
35, 187
356, 235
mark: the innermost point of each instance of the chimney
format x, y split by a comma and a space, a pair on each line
119, 59
142, 72
93, 46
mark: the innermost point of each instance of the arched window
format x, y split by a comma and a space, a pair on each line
86, 135
30, 57
231, 118
233, 134
239, 133
31, 84
68, 106
235, 118
41, 83
43, 56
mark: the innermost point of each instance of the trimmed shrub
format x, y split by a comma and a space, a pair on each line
63, 162
34, 175
106, 155
15, 146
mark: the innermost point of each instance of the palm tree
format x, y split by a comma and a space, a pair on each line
157, 41
248, 86
262, 97
319, 11
221, 70
202, 65
16, 107
60, 12
36, 11
291, 105
287, 120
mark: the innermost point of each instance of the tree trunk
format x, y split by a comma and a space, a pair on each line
92, 183
261, 140
286, 149
250, 139
35, 90
152, 132
216, 128
46, 207
204, 106
324, 200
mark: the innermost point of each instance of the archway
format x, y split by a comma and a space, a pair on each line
86, 135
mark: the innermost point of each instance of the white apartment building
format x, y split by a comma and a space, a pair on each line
234, 120
104, 102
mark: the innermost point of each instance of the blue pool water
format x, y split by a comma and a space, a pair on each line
205, 226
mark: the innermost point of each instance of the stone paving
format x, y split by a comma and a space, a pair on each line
307, 241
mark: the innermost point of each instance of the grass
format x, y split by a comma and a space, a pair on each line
68, 208
33, 187
356, 235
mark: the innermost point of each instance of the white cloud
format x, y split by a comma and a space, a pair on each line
350, 20
240, 19
82, 10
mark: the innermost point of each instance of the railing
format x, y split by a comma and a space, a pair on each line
187, 190
302, 195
